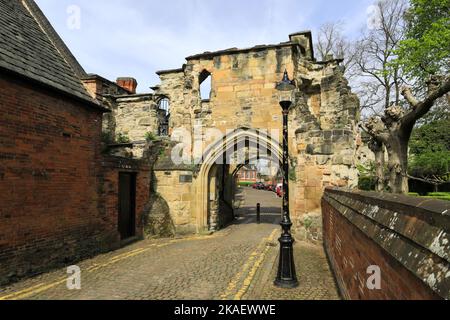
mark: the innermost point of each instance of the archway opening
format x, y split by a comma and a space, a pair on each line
221, 191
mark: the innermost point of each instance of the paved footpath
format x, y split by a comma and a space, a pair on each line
235, 263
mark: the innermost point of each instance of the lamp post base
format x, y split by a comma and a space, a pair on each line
287, 277
286, 284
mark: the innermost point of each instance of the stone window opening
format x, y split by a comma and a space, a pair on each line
205, 80
163, 117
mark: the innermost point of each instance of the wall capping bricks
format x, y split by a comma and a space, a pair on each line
413, 231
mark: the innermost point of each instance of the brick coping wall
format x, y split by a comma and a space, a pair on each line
407, 237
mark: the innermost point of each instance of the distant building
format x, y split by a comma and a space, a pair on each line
247, 174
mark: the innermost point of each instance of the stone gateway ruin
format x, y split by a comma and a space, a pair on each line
88, 166
242, 120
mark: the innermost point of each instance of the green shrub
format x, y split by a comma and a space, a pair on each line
122, 138
107, 138
366, 183
149, 136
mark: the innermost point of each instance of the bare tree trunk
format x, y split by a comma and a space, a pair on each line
377, 148
397, 149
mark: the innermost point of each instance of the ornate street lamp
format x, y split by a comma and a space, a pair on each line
286, 277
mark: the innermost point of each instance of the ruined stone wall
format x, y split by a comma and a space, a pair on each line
406, 237
176, 188
135, 116
322, 122
178, 90
325, 122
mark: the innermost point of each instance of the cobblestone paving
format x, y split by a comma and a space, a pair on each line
225, 265
315, 278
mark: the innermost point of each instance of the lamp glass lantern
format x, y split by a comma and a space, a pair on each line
286, 89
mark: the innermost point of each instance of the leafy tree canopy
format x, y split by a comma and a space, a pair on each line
431, 137
425, 50
430, 150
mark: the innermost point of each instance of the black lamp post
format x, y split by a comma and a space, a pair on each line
286, 277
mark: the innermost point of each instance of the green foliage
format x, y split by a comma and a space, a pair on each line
434, 195
367, 177
425, 49
366, 183
292, 174
107, 137
150, 136
245, 184
431, 164
307, 222
122, 138
432, 137
430, 150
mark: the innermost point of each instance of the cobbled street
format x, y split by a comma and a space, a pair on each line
238, 262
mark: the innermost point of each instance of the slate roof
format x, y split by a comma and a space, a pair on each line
30, 47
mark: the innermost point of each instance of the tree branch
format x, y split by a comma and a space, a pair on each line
421, 108
436, 182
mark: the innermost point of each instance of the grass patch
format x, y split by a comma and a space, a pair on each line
246, 184
434, 195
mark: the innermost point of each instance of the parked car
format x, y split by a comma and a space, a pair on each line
259, 186
279, 190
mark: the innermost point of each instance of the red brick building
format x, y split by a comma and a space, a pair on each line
248, 174
61, 199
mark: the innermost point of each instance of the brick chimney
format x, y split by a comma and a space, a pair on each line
128, 84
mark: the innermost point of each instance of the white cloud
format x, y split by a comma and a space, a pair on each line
136, 38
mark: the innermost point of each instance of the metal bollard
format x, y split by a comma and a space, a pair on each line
258, 213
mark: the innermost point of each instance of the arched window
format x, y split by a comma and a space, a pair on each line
205, 85
164, 104
163, 117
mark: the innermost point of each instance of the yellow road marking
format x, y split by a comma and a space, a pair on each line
32, 290
117, 257
44, 287
237, 277
233, 283
253, 271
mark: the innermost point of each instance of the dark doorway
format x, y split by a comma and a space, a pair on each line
127, 205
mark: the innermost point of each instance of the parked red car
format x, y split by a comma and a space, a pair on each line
258, 186
279, 190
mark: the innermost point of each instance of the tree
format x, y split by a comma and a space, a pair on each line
398, 77
426, 49
378, 84
394, 128
332, 44
430, 153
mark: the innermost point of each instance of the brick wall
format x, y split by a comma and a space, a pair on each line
53, 209
406, 237
111, 167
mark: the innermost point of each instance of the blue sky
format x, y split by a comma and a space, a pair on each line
138, 37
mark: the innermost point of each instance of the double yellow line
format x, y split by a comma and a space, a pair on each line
253, 263
25, 293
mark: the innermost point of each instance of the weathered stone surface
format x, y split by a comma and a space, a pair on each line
322, 123
157, 220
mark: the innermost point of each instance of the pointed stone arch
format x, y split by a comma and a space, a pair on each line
214, 154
